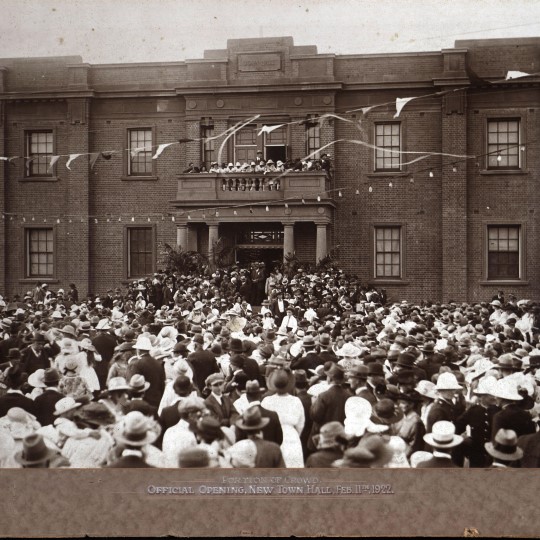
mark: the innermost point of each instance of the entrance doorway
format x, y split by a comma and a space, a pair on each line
271, 257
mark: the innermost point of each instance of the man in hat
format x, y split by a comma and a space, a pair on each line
330, 443
182, 434
504, 449
329, 406
15, 379
47, 400
410, 428
325, 353
152, 370
218, 403
183, 388
444, 407
511, 416
202, 361
137, 389
442, 439
479, 418
250, 426
308, 357
35, 454
133, 433
374, 388
105, 341
272, 431
39, 354
289, 324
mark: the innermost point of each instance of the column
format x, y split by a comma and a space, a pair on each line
288, 239
212, 239
322, 248
182, 237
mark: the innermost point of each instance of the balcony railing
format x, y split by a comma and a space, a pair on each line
252, 186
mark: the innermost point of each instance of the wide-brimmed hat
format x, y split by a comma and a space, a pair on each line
331, 434
486, 386
358, 372
138, 383
136, 429
426, 389
72, 366
36, 379
209, 427
34, 450
508, 362
447, 381
443, 435
281, 380
85, 326
349, 351
65, 405
68, 330
51, 375
253, 388
143, 343
371, 451
385, 412
504, 446
190, 404
374, 368
308, 342
193, 457
506, 389
117, 384
96, 414
252, 420
19, 423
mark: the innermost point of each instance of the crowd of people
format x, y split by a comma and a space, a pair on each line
260, 165
245, 368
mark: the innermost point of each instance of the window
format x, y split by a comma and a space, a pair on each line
388, 252
207, 130
39, 148
39, 252
140, 161
140, 251
273, 145
504, 252
503, 143
388, 142
313, 137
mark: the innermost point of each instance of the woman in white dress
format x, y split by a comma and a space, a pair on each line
291, 415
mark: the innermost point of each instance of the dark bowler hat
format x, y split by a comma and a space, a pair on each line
406, 359
34, 451
51, 375
236, 346
252, 420
374, 368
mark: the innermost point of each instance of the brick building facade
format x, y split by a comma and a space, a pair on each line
441, 228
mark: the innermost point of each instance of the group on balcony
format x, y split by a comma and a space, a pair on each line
269, 166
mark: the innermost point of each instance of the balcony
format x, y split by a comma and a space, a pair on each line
245, 187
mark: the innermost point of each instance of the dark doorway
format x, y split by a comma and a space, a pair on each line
270, 257
276, 153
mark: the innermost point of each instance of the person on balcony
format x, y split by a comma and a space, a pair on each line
214, 168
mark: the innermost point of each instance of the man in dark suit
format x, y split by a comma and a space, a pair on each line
442, 439
152, 370
218, 403
511, 416
250, 426
169, 415
444, 407
14, 379
309, 359
39, 354
137, 388
330, 443
104, 342
330, 405
45, 402
203, 362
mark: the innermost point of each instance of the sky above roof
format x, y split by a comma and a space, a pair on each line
110, 31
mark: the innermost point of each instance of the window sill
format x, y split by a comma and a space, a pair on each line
39, 179
503, 172
139, 178
35, 280
386, 174
389, 282
500, 282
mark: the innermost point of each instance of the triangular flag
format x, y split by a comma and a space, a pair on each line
135, 151
93, 158
160, 149
400, 103
185, 140
72, 157
365, 110
269, 129
54, 159
516, 75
